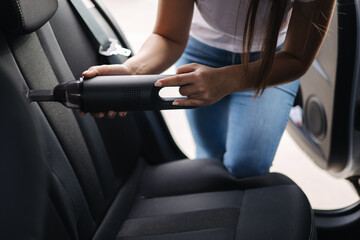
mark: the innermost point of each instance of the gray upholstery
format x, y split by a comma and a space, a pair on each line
102, 182
270, 201
185, 177
276, 212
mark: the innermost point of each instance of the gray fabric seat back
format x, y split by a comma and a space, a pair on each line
84, 177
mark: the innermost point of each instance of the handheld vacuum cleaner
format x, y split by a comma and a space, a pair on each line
104, 93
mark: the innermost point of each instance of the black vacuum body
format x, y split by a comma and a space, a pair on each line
104, 93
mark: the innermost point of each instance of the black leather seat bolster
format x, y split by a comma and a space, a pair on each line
24, 16
201, 175
23, 181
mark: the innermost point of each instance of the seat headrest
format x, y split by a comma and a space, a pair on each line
25, 16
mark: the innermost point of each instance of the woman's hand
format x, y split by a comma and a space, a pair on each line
115, 69
201, 85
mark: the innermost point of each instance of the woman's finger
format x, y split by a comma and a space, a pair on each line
176, 80
187, 68
114, 69
188, 102
95, 70
82, 113
111, 114
122, 114
89, 73
98, 115
188, 90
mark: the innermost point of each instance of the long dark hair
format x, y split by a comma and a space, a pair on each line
276, 15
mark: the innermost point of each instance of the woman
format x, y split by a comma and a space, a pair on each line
237, 67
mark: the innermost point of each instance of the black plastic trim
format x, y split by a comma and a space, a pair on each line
339, 150
339, 224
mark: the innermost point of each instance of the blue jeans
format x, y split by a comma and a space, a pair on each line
239, 130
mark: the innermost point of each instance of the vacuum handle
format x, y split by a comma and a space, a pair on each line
124, 93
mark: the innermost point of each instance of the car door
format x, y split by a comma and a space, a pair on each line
330, 129
329, 98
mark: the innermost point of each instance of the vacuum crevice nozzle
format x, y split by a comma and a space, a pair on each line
40, 95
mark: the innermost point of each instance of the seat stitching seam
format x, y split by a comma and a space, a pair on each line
150, 235
72, 201
21, 13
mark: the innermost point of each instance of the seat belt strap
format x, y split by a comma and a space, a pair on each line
107, 46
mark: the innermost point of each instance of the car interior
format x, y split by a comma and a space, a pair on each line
66, 176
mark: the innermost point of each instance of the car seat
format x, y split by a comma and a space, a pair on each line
105, 179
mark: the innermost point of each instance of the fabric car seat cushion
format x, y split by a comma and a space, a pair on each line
264, 207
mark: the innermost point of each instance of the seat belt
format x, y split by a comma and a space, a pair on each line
115, 54
108, 47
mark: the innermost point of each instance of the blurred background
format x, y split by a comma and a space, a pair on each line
137, 18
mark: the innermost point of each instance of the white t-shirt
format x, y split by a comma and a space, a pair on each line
214, 23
